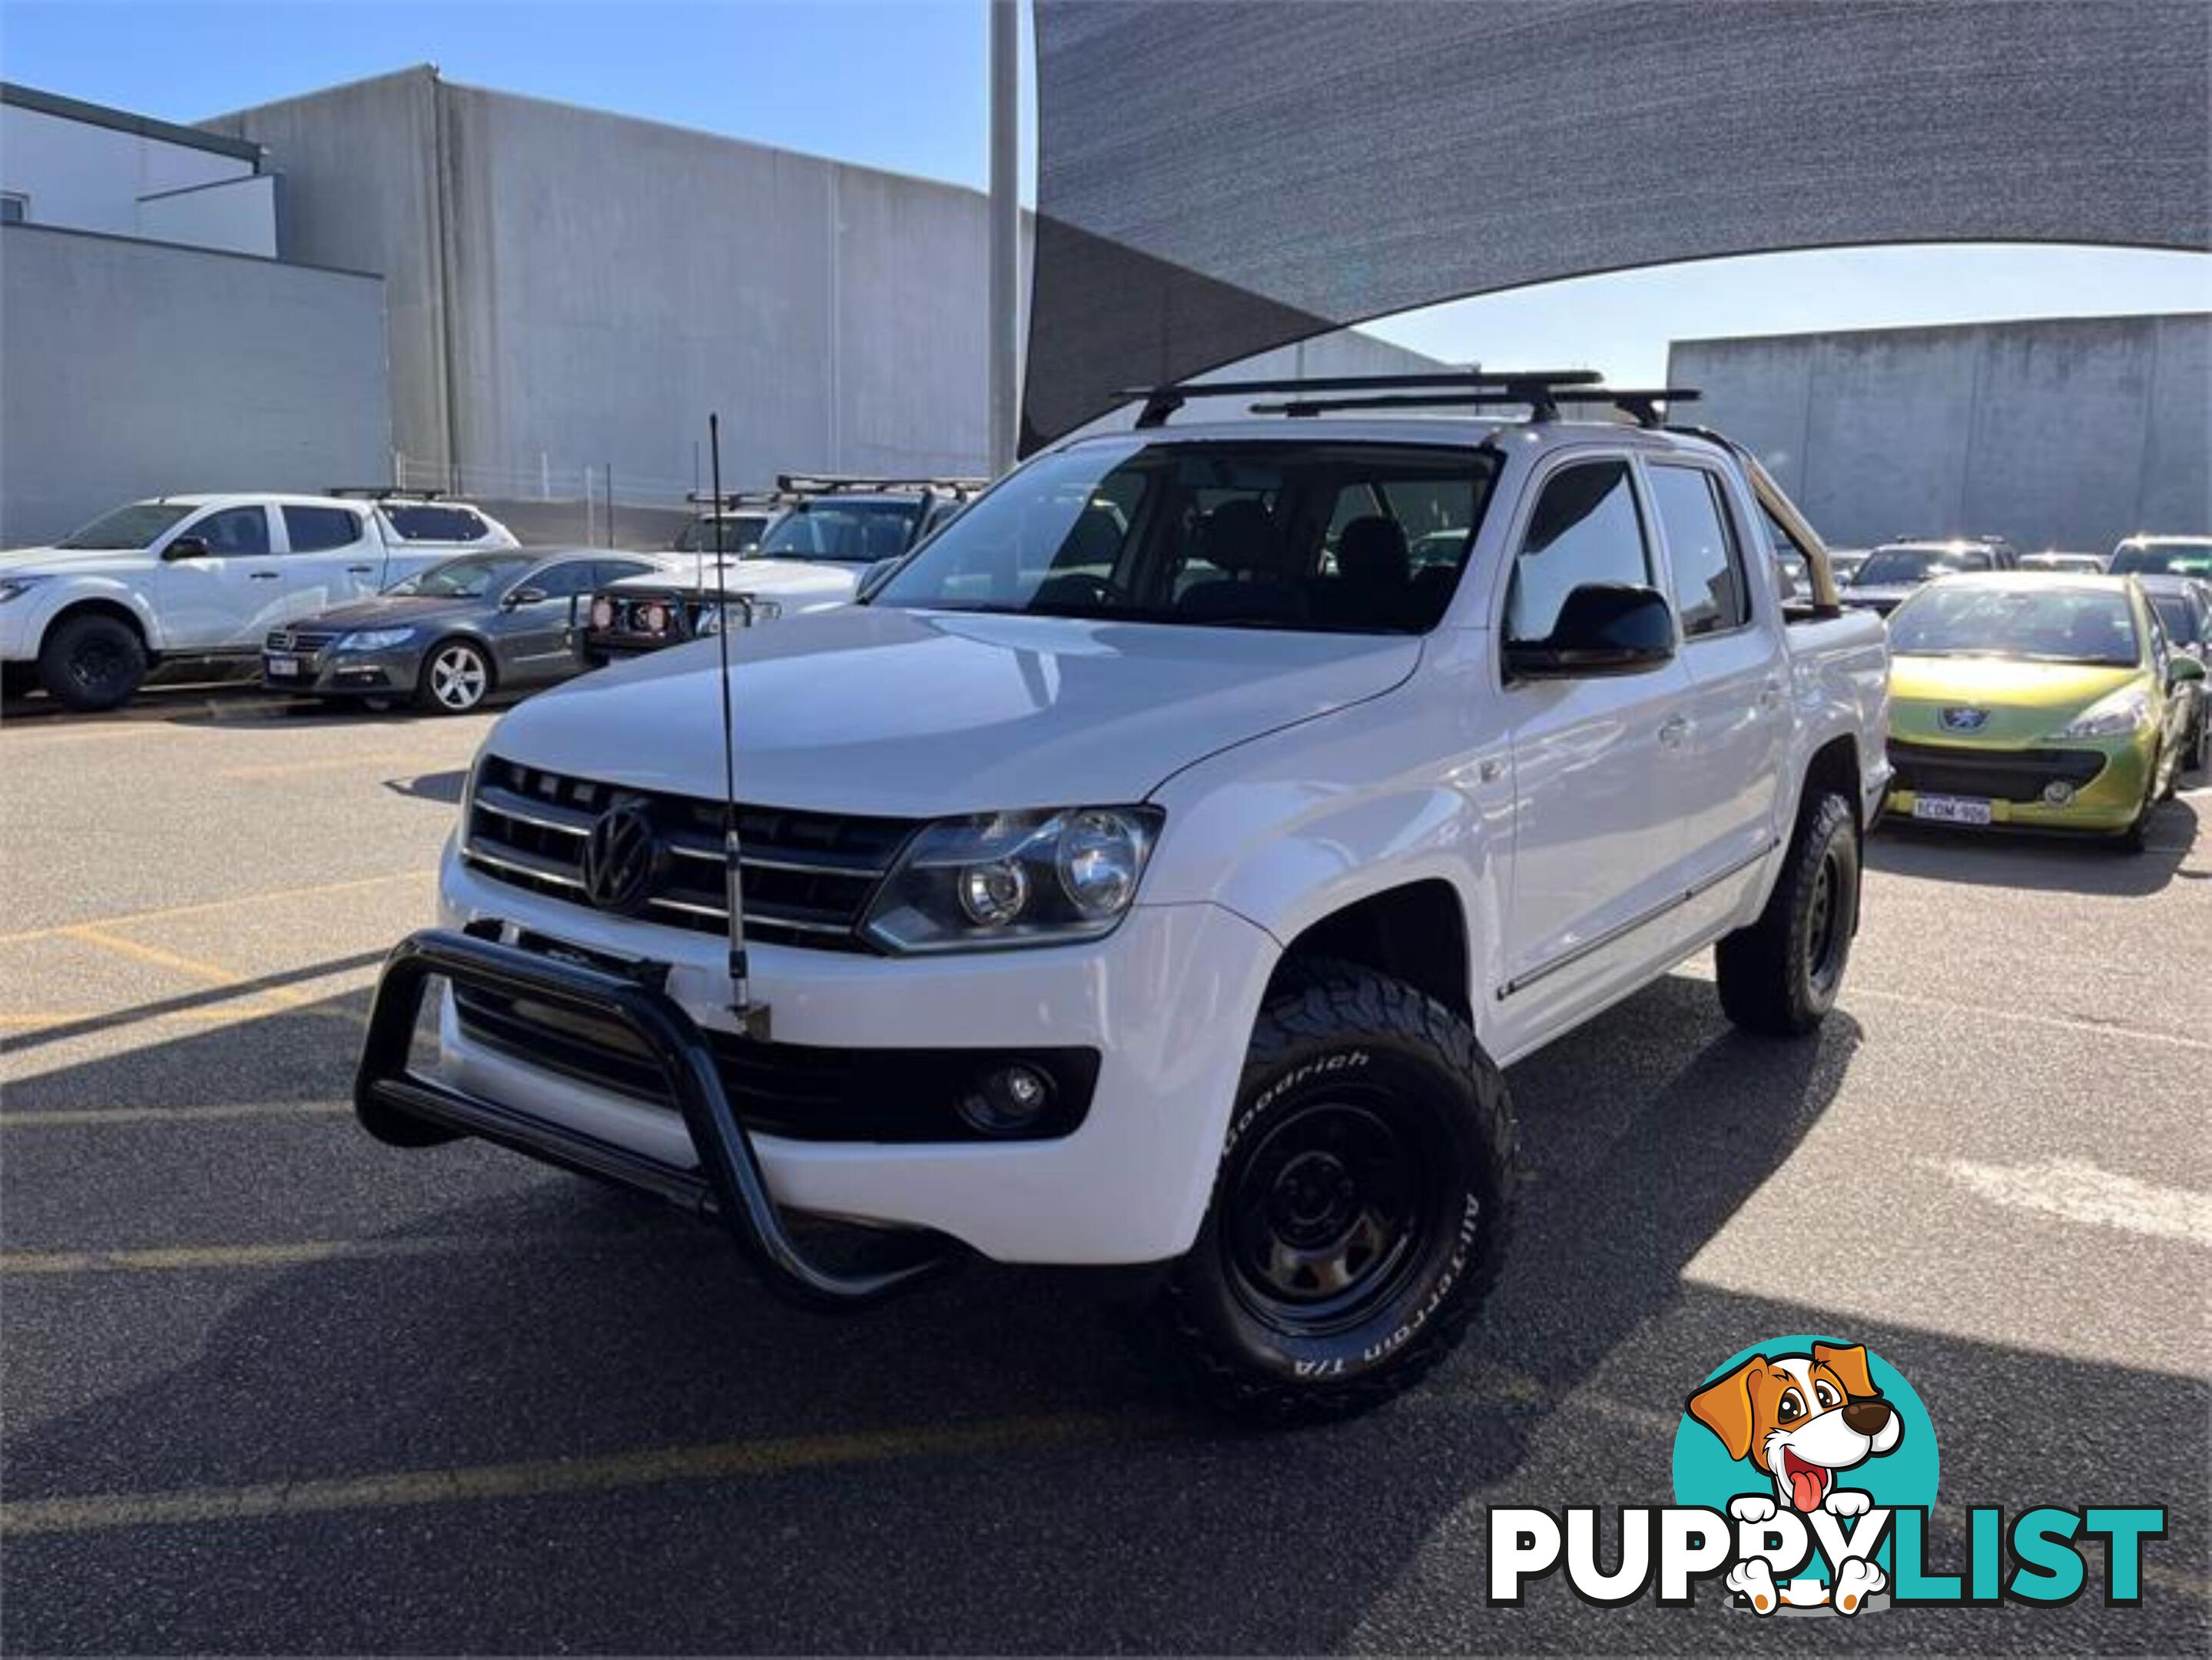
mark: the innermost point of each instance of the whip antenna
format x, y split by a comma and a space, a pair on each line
755, 1019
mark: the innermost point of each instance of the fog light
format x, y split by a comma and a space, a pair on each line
993, 895
1008, 1100
2058, 792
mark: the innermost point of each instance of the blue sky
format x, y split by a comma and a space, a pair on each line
900, 84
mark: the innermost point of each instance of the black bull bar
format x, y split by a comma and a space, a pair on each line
402, 1108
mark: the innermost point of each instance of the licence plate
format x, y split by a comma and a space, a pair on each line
1951, 809
281, 667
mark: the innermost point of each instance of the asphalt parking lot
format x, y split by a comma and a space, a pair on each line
270, 1386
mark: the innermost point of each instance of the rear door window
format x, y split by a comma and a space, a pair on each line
1706, 563
314, 530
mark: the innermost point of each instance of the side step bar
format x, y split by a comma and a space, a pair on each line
400, 1107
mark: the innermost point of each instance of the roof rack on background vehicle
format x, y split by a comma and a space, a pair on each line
822, 483
730, 499
1543, 400
385, 493
1161, 402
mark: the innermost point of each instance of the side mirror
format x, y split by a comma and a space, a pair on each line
2182, 668
522, 597
1603, 629
186, 547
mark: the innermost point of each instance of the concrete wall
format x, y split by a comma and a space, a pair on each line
571, 289
81, 175
130, 369
602, 283
360, 167
2069, 433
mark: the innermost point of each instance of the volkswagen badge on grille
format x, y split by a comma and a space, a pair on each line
621, 856
1964, 719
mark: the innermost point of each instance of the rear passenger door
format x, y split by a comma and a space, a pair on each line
1729, 765
330, 559
1594, 900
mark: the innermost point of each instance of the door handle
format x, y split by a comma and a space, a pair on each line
1674, 730
361, 570
1770, 695
261, 576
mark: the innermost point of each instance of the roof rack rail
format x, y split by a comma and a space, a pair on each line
1161, 402
729, 498
824, 483
385, 493
1543, 399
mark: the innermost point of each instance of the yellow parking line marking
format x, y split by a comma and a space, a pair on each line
71, 1017
334, 763
132, 918
292, 1254
267, 1000
92, 936
655, 1467
62, 1118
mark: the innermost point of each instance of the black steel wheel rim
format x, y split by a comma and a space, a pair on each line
95, 663
1329, 1213
1825, 925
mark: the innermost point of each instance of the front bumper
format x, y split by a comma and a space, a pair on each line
2108, 798
1165, 1000
330, 672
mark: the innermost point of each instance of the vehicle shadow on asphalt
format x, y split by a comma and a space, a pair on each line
2046, 864
545, 1318
444, 787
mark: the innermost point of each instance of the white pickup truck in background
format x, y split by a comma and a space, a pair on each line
1161, 866
206, 576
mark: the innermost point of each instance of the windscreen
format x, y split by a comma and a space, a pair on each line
845, 532
461, 579
2185, 623
1893, 567
1334, 537
137, 525
741, 532
2031, 623
2162, 559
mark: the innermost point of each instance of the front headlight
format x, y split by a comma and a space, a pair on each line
375, 639
1005, 879
2110, 717
14, 588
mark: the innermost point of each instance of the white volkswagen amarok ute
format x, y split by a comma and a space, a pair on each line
1160, 868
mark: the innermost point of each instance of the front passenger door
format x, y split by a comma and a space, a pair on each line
225, 598
1597, 846
533, 636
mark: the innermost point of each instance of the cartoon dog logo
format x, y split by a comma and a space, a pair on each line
1800, 1419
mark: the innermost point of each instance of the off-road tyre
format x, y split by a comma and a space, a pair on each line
1780, 975
1345, 1066
92, 661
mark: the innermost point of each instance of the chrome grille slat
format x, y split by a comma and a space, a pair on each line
522, 865
544, 815
712, 854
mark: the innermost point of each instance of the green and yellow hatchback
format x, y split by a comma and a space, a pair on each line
2034, 701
